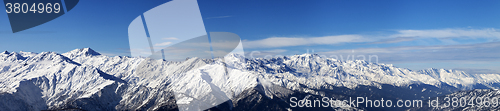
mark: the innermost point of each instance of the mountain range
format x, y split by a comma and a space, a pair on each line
83, 79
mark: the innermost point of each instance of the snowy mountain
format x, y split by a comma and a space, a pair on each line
85, 79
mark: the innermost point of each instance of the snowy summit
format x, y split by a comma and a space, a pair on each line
85, 79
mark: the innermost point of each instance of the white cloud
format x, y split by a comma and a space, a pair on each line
399, 36
300, 41
218, 17
439, 53
141, 51
449, 33
448, 54
225, 44
395, 40
163, 44
276, 50
406, 49
170, 38
177, 50
110, 54
219, 52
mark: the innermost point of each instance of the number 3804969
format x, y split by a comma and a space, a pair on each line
35, 8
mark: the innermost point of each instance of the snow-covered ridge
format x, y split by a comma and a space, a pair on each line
141, 82
315, 71
81, 52
308, 69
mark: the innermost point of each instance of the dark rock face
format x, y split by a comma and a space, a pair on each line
85, 80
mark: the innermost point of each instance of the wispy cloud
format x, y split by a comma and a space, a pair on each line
434, 48
394, 40
219, 17
163, 44
449, 33
118, 52
387, 38
110, 54
469, 52
300, 41
170, 38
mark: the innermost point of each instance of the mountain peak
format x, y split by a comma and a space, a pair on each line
436, 70
81, 52
235, 55
307, 55
15, 56
89, 51
5, 52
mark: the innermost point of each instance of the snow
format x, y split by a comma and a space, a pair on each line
137, 81
5, 52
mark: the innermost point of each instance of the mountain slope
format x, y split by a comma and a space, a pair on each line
85, 79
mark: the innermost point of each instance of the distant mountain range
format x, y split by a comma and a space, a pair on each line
83, 79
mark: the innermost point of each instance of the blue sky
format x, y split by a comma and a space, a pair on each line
452, 34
